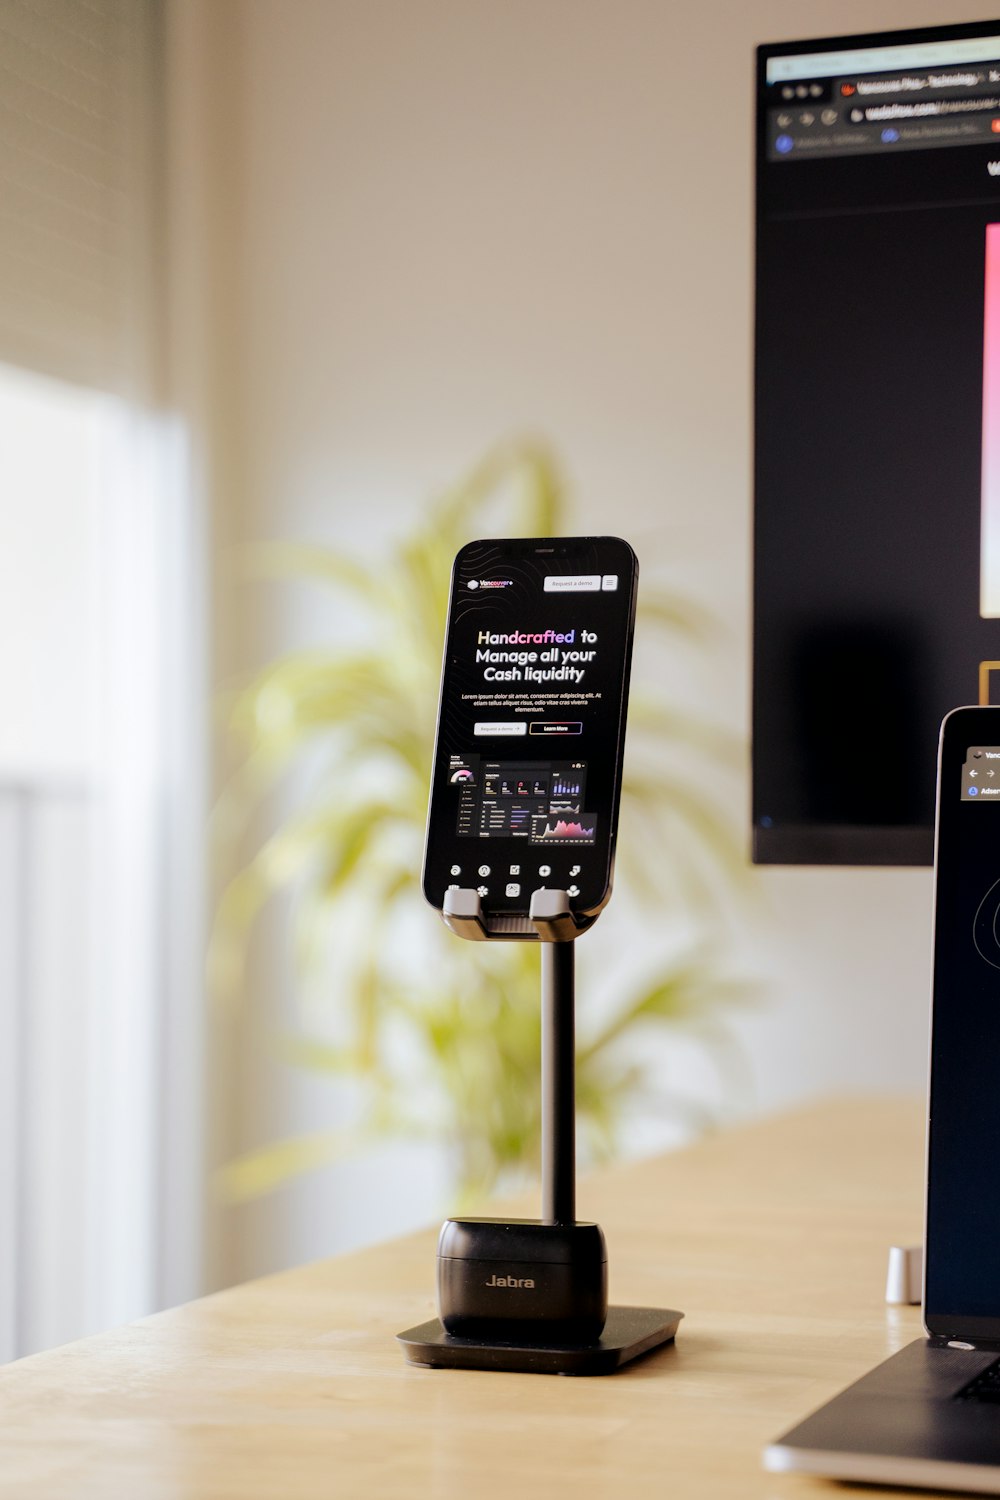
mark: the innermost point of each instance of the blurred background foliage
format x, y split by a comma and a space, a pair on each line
443, 1036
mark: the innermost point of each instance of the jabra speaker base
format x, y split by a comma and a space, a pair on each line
628, 1333
521, 1281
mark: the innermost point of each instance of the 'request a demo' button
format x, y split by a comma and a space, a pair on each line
556, 726
504, 727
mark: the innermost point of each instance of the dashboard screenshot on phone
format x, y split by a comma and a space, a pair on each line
877, 552
528, 759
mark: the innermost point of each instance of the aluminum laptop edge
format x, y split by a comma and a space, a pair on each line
905, 1423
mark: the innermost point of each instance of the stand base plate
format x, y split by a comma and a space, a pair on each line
629, 1332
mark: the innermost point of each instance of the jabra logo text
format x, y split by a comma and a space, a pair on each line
524, 1281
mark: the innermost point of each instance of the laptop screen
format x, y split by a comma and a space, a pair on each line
963, 1199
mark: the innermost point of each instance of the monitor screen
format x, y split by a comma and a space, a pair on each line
877, 432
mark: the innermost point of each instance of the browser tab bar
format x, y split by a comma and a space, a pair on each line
876, 59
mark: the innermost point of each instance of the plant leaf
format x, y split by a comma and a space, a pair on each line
255, 1173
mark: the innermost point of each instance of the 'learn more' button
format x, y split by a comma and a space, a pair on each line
505, 727
556, 726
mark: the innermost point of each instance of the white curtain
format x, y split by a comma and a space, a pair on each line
100, 871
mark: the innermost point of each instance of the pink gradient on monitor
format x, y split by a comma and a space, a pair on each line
989, 543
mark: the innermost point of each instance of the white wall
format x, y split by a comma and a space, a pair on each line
457, 219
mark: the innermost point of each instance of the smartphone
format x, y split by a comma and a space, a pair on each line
527, 766
962, 1287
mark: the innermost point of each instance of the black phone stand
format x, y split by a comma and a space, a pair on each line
564, 1331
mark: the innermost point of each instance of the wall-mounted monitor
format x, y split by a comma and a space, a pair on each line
877, 432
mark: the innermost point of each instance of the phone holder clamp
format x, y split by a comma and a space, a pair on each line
550, 918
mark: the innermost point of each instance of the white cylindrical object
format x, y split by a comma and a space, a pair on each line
904, 1279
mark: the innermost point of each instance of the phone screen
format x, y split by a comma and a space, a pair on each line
527, 766
963, 1179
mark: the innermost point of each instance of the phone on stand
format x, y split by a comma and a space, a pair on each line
527, 768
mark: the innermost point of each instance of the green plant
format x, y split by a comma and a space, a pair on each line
445, 1034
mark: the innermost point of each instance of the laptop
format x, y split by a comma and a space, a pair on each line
929, 1417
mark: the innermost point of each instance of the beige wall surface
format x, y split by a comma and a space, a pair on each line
453, 220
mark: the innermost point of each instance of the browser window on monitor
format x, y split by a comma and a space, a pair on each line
877, 431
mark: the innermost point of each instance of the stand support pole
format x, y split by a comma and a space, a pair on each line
575, 1338
558, 1085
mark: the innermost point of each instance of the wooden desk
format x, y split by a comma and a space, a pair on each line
772, 1238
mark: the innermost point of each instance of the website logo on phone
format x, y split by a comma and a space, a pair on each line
490, 583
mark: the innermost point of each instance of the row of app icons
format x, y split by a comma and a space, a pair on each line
513, 887
543, 870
